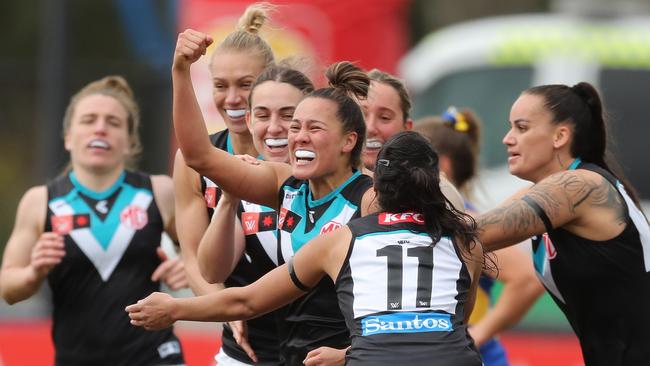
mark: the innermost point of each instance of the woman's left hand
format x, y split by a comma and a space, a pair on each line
152, 312
171, 271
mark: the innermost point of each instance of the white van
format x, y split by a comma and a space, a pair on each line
485, 64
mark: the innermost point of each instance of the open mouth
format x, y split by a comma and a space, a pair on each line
236, 113
374, 144
276, 143
304, 156
512, 156
99, 144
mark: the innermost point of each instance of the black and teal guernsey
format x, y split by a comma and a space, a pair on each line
260, 256
315, 319
603, 287
110, 243
403, 297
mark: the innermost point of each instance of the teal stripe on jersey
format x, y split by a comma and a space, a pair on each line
299, 237
231, 151
539, 256
97, 195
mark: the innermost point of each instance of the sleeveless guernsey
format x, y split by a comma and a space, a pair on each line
403, 297
603, 287
110, 242
260, 256
314, 320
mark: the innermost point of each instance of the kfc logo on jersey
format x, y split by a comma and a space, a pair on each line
550, 248
210, 196
134, 217
386, 218
330, 226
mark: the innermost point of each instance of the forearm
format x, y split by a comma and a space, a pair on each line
229, 304
18, 284
218, 253
508, 225
198, 284
189, 126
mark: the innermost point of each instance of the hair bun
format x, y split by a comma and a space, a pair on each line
348, 78
254, 17
117, 83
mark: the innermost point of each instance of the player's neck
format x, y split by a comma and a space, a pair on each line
97, 181
242, 143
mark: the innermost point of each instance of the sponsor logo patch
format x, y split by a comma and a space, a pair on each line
330, 226
169, 348
406, 322
550, 248
210, 196
386, 218
64, 224
249, 222
288, 220
134, 217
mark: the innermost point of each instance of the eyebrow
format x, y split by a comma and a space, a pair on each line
238, 79
282, 109
307, 121
386, 109
521, 120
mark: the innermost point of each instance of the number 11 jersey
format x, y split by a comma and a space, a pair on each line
402, 296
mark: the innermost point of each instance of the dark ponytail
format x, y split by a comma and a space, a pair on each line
582, 107
407, 179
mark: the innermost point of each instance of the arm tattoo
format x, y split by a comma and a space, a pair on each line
559, 196
564, 193
515, 220
607, 196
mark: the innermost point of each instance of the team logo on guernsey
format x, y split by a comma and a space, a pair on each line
64, 224
288, 220
330, 226
386, 218
550, 248
406, 322
134, 217
254, 222
210, 197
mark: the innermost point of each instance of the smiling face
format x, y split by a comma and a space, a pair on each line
532, 138
317, 144
384, 118
98, 137
233, 74
273, 105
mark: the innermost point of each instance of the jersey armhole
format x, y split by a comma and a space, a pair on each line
539, 211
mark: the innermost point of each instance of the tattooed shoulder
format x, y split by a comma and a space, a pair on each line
607, 196
565, 192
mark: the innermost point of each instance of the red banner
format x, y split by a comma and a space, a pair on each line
371, 33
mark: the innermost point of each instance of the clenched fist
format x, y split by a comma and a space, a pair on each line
190, 46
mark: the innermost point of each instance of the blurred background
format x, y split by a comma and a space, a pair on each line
469, 53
